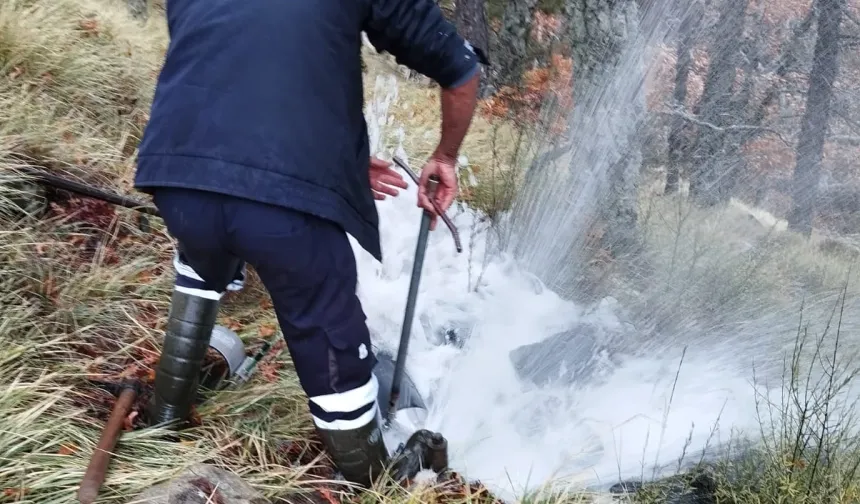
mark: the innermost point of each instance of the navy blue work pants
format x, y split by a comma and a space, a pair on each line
307, 265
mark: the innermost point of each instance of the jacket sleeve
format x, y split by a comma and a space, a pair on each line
419, 37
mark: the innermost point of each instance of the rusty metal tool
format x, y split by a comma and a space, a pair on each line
97, 468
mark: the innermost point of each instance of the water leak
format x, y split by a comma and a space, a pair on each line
530, 386
514, 435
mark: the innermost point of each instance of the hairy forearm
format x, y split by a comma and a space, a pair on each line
458, 107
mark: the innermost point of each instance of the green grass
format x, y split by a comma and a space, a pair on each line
84, 294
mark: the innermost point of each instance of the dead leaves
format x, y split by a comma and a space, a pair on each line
41, 249
15, 494
67, 449
89, 27
209, 490
269, 371
523, 104
50, 289
455, 488
19, 71
269, 368
194, 419
267, 330
545, 27
141, 371
233, 324
781, 11
100, 214
146, 276
328, 496
131, 372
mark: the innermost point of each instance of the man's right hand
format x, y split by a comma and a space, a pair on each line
458, 106
445, 168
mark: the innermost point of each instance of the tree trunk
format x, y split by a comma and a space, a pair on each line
577, 207
816, 118
716, 161
471, 20
600, 33
677, 141
510, 51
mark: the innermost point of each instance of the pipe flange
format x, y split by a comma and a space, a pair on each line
229, 345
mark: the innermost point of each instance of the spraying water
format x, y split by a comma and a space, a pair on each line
503, 431
540, 388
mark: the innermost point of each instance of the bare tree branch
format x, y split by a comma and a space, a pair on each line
841, 112
786, 62
734, 127
853, 141
851, 17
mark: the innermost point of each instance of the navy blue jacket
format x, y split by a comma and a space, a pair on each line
263, 99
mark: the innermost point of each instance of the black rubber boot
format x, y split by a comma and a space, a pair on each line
359, 454
189, 329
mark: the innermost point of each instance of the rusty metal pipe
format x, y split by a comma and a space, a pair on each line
97, 468
438, 453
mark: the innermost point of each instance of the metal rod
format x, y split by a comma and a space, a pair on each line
97, 468
249, 365
399, 162
417, 266
91, 192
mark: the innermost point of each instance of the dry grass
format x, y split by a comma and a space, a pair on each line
75, 85
83, 303
84, 294
718, 264
494, 151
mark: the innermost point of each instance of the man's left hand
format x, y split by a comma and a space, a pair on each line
384, 180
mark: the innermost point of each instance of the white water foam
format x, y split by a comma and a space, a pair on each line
512, 436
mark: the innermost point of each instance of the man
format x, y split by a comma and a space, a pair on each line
257, 152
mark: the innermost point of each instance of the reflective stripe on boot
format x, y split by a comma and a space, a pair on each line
189, 328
